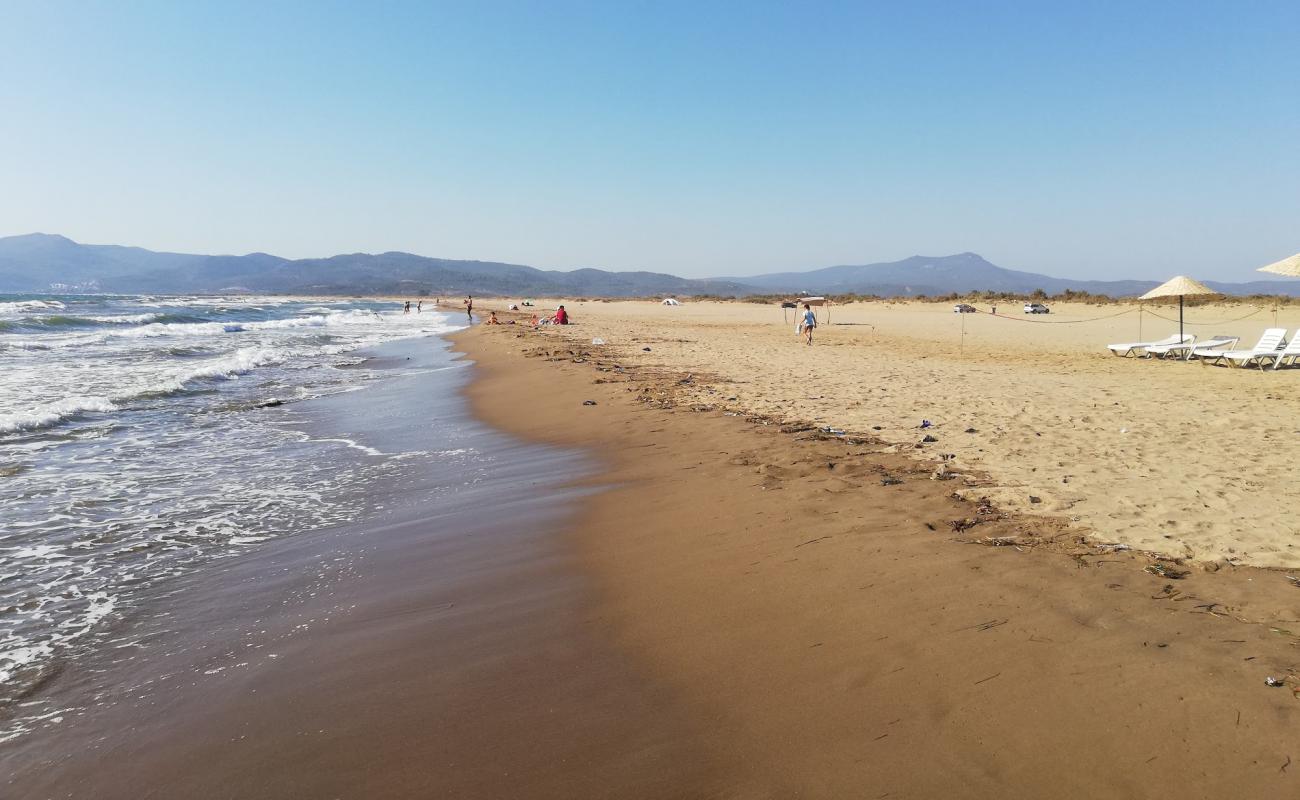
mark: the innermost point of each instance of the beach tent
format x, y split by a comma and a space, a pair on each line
668, 301
817, 302
1287, 266
1179, 286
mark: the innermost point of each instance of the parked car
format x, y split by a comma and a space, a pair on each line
963, 308
1036, 308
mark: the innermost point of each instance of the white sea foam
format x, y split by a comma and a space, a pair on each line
142, 488
53, 413
23, 306
127, 319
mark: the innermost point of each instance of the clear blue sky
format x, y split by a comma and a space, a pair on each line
1111, 139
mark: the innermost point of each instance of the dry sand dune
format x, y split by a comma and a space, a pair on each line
1173, 457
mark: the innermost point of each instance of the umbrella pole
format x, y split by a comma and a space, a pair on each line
1180, 318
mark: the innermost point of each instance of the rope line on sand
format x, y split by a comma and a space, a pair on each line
1054, 321
1220, 322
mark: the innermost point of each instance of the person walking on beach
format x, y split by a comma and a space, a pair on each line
809, 322
419, 306
469, 307
407, 308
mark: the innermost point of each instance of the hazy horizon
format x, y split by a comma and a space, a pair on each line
697, 140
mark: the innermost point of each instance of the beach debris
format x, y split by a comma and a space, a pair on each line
876, 428
589, 402
962, 525
1166, 571
597, 341
925, 423
1035, 499
942, 474
1271, 681
272, 403
835, 431
645, 349
890, 480
927, 439
812, 541
971, 430
1294, 580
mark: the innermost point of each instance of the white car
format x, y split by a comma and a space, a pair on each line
1036, 308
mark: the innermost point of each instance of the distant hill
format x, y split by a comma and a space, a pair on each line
963, 272
42, 262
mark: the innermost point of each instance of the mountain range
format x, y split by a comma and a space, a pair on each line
46, 262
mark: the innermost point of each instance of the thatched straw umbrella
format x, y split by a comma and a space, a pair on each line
1287, 266
1180, 286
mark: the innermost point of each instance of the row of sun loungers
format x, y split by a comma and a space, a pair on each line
1271, 349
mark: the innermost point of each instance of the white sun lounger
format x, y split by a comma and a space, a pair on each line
1188, 348
1291, 351
1132, 348
1267, 347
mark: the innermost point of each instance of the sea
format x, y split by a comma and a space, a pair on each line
143, 438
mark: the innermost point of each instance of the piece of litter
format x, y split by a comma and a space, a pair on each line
597, 341
646, 349
589, 402
925, 423
928, 438
1271, 681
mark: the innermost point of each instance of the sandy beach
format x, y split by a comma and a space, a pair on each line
1171, 457
844, 625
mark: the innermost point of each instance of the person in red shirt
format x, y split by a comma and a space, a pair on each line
561, 316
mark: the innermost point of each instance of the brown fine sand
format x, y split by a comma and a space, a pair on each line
838, 624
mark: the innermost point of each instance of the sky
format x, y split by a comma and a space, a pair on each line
1098, 140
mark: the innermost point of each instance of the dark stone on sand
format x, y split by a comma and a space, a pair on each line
589, 402
928, 438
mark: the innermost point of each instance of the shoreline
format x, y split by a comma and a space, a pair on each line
445, 648
836, 634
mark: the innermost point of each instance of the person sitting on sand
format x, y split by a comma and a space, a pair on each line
561, 316
492, 318
809, 322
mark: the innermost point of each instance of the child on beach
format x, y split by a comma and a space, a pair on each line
809, 322
492, 318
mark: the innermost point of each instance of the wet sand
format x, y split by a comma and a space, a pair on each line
450, 651
844, 626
